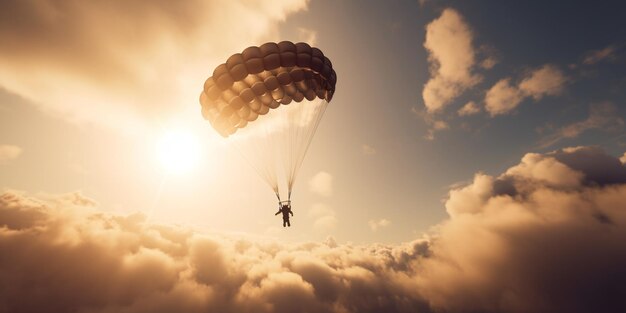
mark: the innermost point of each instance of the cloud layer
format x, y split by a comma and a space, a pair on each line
542, 237
124, 64
547, 235
67, 257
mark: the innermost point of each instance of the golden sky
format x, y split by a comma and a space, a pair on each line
471, 160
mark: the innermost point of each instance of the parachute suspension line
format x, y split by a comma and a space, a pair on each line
275, 145
269, 152
299, 120
303, 145
255, 146
291, 144
295, 126
294, 150
262, 171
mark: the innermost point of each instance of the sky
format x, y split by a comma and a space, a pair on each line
465, 142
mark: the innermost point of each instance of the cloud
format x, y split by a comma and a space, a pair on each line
547, 235
67, 256
602, 116
368, 150
489, 62
489, 56
9, 152
422, 2
126, 64
451, 57
596, 56
433, 122
469, 108
435, 126
378, 224
534, 239
545, 81
504, 97
307, 35
325, 217
453, 68
322, 184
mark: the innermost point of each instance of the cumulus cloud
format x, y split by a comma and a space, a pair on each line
504, 97
545, 81
378, 224
67, 257
452, 59
602, 116
547, 235
368, 150
322, 184
534, 239
125, 64
9, 152
469, 108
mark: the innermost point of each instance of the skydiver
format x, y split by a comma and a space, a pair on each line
286, 210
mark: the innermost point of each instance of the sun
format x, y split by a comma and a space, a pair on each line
178, 151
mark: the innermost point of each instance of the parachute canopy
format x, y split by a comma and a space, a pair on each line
261, 78
247, 101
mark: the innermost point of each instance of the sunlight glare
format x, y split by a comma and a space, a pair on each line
178, 151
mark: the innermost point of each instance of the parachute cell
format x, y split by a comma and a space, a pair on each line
264, 70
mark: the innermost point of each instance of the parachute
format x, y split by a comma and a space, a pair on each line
268, 101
